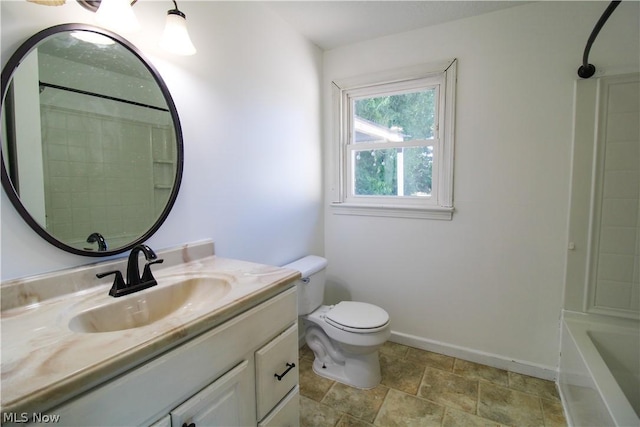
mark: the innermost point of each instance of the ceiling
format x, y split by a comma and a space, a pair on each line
330, 24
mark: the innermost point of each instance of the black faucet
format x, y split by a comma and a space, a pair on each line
98, 238
134, 282
133, 271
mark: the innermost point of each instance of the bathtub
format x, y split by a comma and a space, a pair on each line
599, 376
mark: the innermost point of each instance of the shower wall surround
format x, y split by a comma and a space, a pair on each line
130, 183
615, 263
599, 346
603, 265
120, 200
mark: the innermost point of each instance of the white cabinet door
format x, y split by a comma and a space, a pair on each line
222, 403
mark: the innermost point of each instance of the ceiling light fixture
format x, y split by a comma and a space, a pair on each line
118, 16
176, 38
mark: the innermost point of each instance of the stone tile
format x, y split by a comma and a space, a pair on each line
539, 387
553, 413
401, 374
476, 371
451, 390
429, 358
444, 394
509, 407
349, 421
403, 410
311, 385
455, 418
362, 404
315, 414
394, 349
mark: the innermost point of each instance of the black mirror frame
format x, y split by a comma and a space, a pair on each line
7, 74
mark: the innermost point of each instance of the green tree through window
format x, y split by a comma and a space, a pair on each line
411, 116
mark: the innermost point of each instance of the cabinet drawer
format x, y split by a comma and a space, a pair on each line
286, 414
275, 376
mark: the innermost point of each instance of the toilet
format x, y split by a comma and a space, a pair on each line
344, 337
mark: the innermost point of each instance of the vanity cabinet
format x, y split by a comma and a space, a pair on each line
239, 373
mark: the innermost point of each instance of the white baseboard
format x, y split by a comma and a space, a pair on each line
494, 360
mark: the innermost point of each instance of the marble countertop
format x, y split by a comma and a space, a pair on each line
45, 363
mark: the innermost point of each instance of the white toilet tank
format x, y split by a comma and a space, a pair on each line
311, 286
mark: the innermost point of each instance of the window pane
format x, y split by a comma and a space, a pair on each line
395, 118
375, 172
418, 168
393, 172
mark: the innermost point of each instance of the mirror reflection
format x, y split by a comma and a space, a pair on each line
89, 143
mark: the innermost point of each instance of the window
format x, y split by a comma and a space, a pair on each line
396, 143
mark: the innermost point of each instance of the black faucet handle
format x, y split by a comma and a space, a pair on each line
118, 281
147, 276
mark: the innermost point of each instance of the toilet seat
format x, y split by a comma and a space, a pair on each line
357, 317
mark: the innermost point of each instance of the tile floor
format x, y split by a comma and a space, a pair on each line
421, 388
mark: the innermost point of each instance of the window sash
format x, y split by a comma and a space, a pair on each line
349, 156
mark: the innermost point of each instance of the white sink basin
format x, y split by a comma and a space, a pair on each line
150, 305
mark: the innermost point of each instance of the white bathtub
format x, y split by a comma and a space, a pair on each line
599, 375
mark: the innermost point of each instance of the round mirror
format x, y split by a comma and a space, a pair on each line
92, 150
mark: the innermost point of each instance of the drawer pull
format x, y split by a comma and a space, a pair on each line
289, 367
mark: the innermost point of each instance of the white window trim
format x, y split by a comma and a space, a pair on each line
438, 207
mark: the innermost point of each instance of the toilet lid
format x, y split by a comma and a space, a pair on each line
357, 315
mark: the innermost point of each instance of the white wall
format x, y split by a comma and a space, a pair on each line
488, 284
249, 103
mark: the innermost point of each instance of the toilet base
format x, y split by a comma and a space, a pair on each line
360, 371
348, 358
